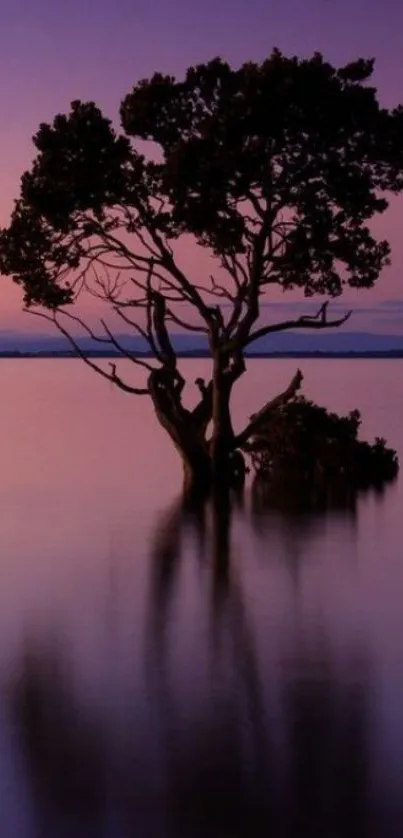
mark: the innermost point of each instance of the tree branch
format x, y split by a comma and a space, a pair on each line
202, 413
125, 352
306, 321
256, 266
188, 288
258, 419
237, 308
233, 265
159, 312
113, 377
110, 339
139, 329
179, 322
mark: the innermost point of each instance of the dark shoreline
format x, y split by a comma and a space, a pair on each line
183, 355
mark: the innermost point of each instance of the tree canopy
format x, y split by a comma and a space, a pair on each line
276, 169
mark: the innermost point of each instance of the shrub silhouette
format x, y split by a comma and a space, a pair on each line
303, 442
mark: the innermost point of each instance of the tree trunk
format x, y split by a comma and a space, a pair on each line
186, 434
195, 456
207, 465
222, 440
197, 473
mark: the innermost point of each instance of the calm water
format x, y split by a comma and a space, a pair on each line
163, 674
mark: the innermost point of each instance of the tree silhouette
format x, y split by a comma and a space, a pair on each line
274, 169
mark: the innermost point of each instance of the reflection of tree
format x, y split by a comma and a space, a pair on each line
224, 773
230, 762
291, 497
183, 517
319, 787
290, 522
296, 516
64, 749
290, 519
327, 720
310, 504
211, 790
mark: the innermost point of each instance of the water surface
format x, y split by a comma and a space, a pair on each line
166, 672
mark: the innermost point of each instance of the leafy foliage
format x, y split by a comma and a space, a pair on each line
301, 147
277, 167
304, 443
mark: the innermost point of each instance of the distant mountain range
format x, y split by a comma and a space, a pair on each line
332, 342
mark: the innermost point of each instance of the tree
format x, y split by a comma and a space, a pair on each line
276, 169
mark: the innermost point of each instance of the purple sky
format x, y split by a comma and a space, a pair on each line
52, 52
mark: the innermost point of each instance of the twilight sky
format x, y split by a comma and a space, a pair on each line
52, 52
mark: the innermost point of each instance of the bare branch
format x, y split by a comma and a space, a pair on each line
235, 268
126, 352
183, 323
149, 314
237, 308
113, 377
110, 339
255, 259
118, 246
139, 329
258, 419
257, 206
122, 385
148, 303
188, 288
76, 319
159, 312
170, 298
153, 253
220, 291
315, 321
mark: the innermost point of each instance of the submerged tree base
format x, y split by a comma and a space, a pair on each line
202, 482
303, 448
